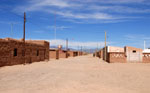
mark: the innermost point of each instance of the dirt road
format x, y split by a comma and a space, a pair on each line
83, 74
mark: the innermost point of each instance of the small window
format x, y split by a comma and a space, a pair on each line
15, 52
37, 53
134, 51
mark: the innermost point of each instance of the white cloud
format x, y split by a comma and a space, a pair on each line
115, 1
97, 10
58, 27
137, 40
137, 37
118, 9
10, 22
85, 15
38, 31
75, 44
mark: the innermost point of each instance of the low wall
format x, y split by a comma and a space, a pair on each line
52, 54
146, 57
74, 53
62, 54
116, 57
70, 53
56, 54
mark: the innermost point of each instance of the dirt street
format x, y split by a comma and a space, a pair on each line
83, 74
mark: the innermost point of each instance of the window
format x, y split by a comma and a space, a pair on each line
37, 53
15, 52
134, 51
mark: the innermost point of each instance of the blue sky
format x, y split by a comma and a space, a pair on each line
83, 22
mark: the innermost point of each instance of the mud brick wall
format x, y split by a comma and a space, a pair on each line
79, 53
62, 54
5, 53
116, 57
13, 52
73, 53
52, 54
97, 54
70, 53
101, 54
146, 57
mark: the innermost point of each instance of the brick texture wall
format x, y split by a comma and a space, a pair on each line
13, 52
146, 57
74, 53
62, 54
56, 54
52, 54
116, 57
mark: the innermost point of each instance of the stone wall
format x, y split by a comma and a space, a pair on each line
13, 52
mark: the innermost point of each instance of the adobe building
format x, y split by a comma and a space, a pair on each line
114, 54
133, 54
126, 54
57, 53
146, 56
53, 54
73, 53
13, 52
80, 53
62, 54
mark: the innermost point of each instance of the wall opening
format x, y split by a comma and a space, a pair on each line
134, 51
15, 52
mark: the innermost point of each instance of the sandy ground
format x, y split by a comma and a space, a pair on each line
76, 75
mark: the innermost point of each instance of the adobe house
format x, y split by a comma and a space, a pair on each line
146, 56
73, 53
115, 54
53, 53
126, 54
80, 53
57, 53
133, 54
62, 54
109, 49
13, 52
70, 53
101, 54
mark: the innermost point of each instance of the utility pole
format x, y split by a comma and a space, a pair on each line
24, 36
24, 27
105, 47
66, 48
